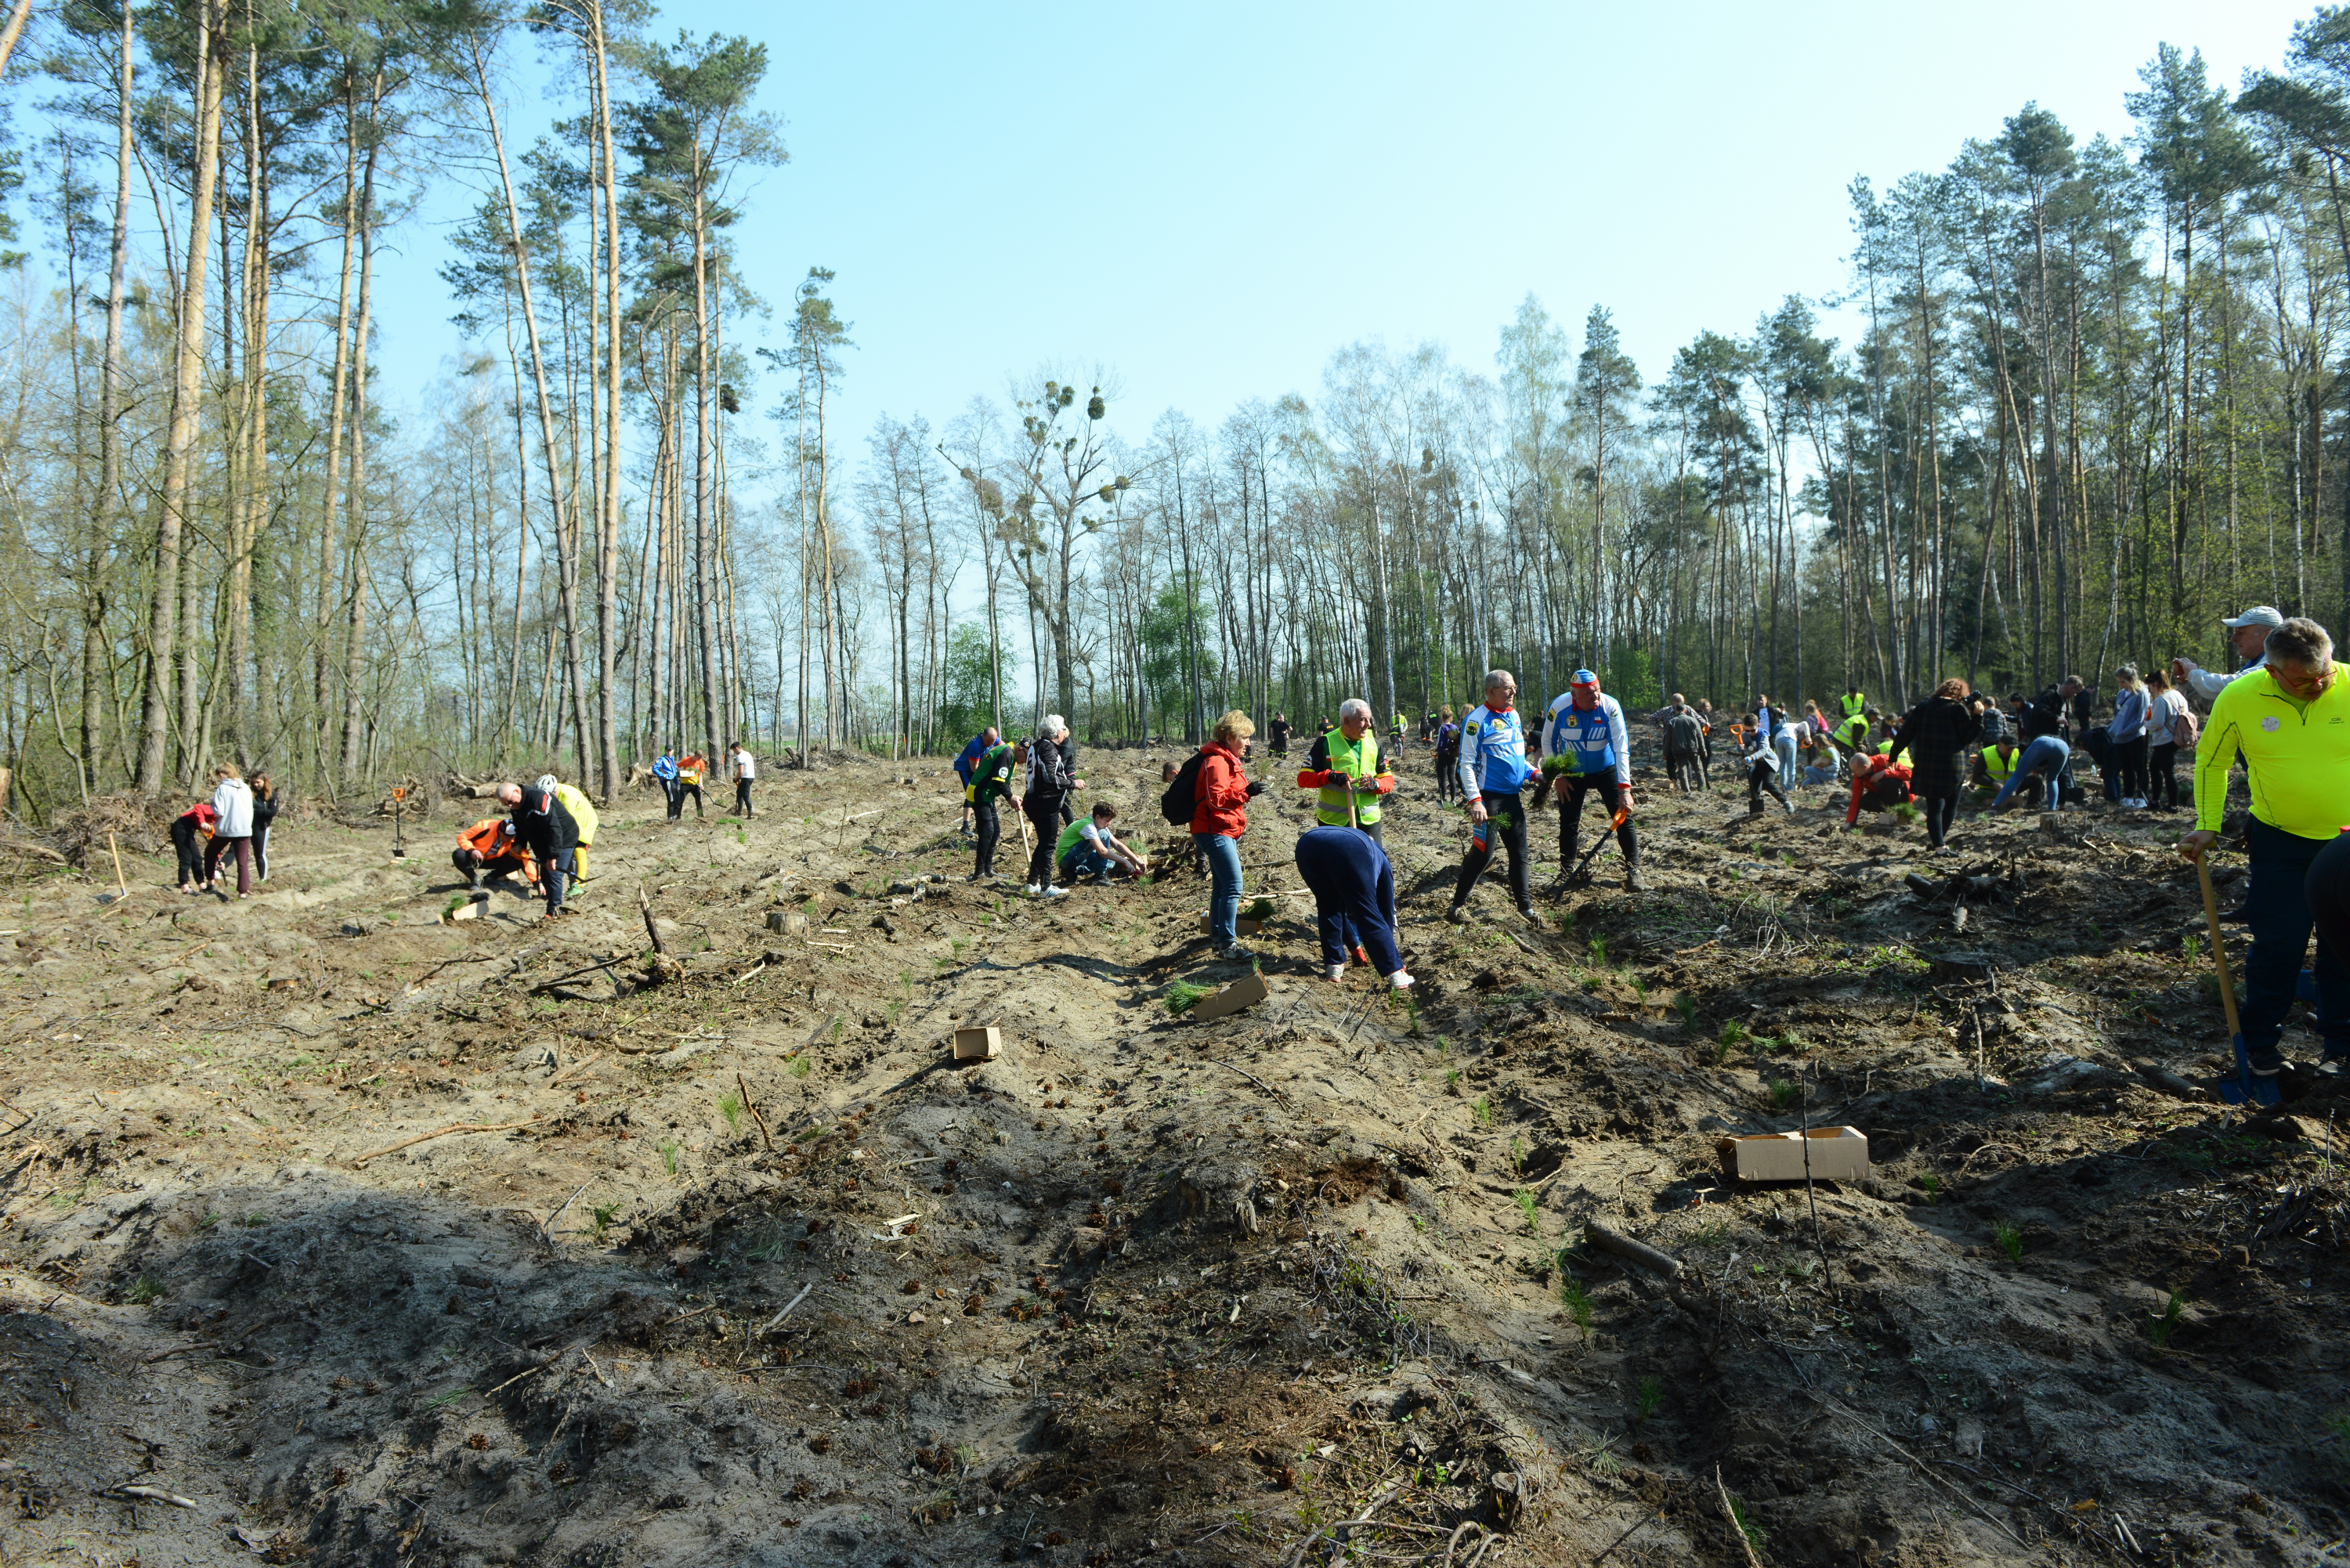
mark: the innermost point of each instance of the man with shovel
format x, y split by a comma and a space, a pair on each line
2290, 720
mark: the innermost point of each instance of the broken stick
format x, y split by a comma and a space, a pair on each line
444, 1132
753, 1106
1623, 1246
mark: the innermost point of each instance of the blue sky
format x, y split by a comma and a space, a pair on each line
1210, 198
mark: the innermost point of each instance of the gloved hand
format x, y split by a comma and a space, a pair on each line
1255, 788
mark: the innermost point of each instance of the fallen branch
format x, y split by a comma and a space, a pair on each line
444, 1132
753, 1106
775, 1322
1729, 1514
1623, 1246
139, 1492
527, 1371
1253, 1078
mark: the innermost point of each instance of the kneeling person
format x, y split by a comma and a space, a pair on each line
1353, 884
1088, 848
489, 848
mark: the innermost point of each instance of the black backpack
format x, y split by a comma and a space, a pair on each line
1179, 799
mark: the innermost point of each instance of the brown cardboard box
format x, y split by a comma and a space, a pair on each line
1233, 998
984, 1044
1242, 926
1837, 1154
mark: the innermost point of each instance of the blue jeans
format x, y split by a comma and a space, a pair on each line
1083, 861
1784, 744
1224, 898
2045, 756
2277, 906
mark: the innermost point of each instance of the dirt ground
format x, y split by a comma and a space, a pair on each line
737, 1266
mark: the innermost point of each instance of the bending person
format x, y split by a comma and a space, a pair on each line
1353, 884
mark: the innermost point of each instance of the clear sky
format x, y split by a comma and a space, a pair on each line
1210, 198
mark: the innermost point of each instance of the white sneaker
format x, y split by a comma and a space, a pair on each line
1054, 893
1334, 973
1234, 951
1029, 888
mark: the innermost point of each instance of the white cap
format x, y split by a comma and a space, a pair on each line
2259, 614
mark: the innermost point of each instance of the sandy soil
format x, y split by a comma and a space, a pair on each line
1309, 1284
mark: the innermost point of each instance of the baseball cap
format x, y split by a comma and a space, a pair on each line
2259, 614
1585, 677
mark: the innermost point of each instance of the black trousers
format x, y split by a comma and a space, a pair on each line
1044, 813
1942, 810
990, 834
1572, 788
677, 794
2326, 886
1762, 775
1505, 819
2162, 777
743, 796
2128, 759
185, 840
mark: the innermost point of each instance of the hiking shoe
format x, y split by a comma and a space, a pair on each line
1528, 913
1234, 951
1633, 881
1460, 916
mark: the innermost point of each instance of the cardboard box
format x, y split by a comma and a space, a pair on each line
1837, 1154
1243, 925
1233, 998
984, 1044
476, 904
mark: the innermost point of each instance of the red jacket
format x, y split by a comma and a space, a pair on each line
1220, 794
1872, 775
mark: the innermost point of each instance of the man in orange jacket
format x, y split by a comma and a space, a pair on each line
1879, 782
490, 847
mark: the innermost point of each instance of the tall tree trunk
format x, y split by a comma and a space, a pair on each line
179, 449
355, 612
324, 597
108, 512
608, 552
706, 578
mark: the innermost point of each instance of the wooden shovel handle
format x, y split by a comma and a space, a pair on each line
2219, 947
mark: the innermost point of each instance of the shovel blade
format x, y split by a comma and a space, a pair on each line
2247, 1087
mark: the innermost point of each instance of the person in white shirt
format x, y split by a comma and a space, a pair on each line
234, 832
2249, 636
745, 770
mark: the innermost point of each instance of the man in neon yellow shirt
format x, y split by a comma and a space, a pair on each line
2290, 722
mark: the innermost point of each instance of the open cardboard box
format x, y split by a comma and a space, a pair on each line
1245, 992
1837, 1154
982, 1044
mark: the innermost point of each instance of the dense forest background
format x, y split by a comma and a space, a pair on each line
2097, 399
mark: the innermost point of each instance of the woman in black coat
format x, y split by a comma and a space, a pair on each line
1937, 734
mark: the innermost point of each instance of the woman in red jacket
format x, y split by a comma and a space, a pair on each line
1219, 817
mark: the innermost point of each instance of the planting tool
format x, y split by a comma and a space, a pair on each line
398, 849
1583, 866
2245, 1085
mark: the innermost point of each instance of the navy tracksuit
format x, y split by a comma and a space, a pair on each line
1354, 895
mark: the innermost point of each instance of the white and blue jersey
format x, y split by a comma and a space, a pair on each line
1589, 742
1493, 754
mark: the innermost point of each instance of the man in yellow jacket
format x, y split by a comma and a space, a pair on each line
582, 813
2290, 720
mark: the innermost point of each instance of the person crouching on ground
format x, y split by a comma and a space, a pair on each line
1994, 765
233, 833
544, 827
489, 848
2289, 719
1353, 884
1087, 847
1879, 783
1220, 794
